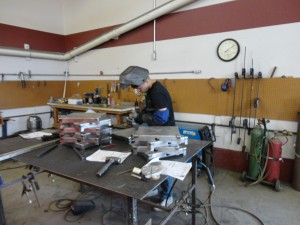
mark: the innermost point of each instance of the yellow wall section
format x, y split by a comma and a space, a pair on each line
279, 97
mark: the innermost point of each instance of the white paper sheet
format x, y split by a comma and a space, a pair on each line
37, 134
178, 170
100, 155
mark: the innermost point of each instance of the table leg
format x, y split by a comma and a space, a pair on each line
194, 181
131, 211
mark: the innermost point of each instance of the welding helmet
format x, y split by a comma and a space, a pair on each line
134, 76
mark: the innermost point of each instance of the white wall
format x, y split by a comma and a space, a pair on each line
42, 15
93, 14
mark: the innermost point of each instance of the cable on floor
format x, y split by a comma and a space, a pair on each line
66, 205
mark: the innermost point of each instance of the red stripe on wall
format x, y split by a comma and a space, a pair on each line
16, 37
237, 161
229, 16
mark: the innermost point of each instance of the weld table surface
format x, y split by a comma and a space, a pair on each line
63, 161
10, 147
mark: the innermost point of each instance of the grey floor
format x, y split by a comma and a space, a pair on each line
232, 203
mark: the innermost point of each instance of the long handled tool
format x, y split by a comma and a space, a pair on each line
257, 100
232, 121
251, 87
241, 105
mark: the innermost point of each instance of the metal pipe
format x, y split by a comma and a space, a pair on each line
103, 75
154, 34
115, 33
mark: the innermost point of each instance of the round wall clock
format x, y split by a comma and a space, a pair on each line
228, 50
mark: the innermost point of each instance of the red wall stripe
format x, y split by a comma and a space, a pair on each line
237, 161
16, 37
229, 16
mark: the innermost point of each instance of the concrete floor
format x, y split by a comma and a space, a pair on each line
229, 200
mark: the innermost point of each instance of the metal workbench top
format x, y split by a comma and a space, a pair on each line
14, 146
63, 161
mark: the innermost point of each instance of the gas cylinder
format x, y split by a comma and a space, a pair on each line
272, 172
255, 151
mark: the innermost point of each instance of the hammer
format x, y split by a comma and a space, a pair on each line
109, 161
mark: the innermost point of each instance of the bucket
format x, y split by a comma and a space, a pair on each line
34, 123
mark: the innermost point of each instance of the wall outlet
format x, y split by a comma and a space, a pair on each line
26, 46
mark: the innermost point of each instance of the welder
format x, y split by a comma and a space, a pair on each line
158, 111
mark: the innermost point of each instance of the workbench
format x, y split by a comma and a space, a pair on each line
118, 110
64, 162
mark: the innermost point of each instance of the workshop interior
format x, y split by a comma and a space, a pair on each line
76, 144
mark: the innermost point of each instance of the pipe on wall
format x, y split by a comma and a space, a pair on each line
113, 34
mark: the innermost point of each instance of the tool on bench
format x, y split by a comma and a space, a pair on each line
109, 161
41, 154
125, 171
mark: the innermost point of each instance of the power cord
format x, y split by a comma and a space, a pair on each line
74, 209
187, 207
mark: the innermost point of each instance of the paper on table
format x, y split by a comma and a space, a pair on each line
178, 170
37, 134
100, 155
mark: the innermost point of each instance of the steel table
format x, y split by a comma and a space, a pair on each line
64, 162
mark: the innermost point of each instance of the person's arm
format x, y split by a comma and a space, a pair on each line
160, 116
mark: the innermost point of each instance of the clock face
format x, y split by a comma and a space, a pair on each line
228, 50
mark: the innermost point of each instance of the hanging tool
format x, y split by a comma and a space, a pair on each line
22, 77
226, 85
272, 74
213, 135
65, 84
241, 105
257, 100
245, 126
34, 186
251, 87
209, 83
232, 121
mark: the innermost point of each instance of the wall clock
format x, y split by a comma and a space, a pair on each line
228, 50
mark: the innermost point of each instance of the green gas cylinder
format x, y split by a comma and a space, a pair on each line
255, 151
